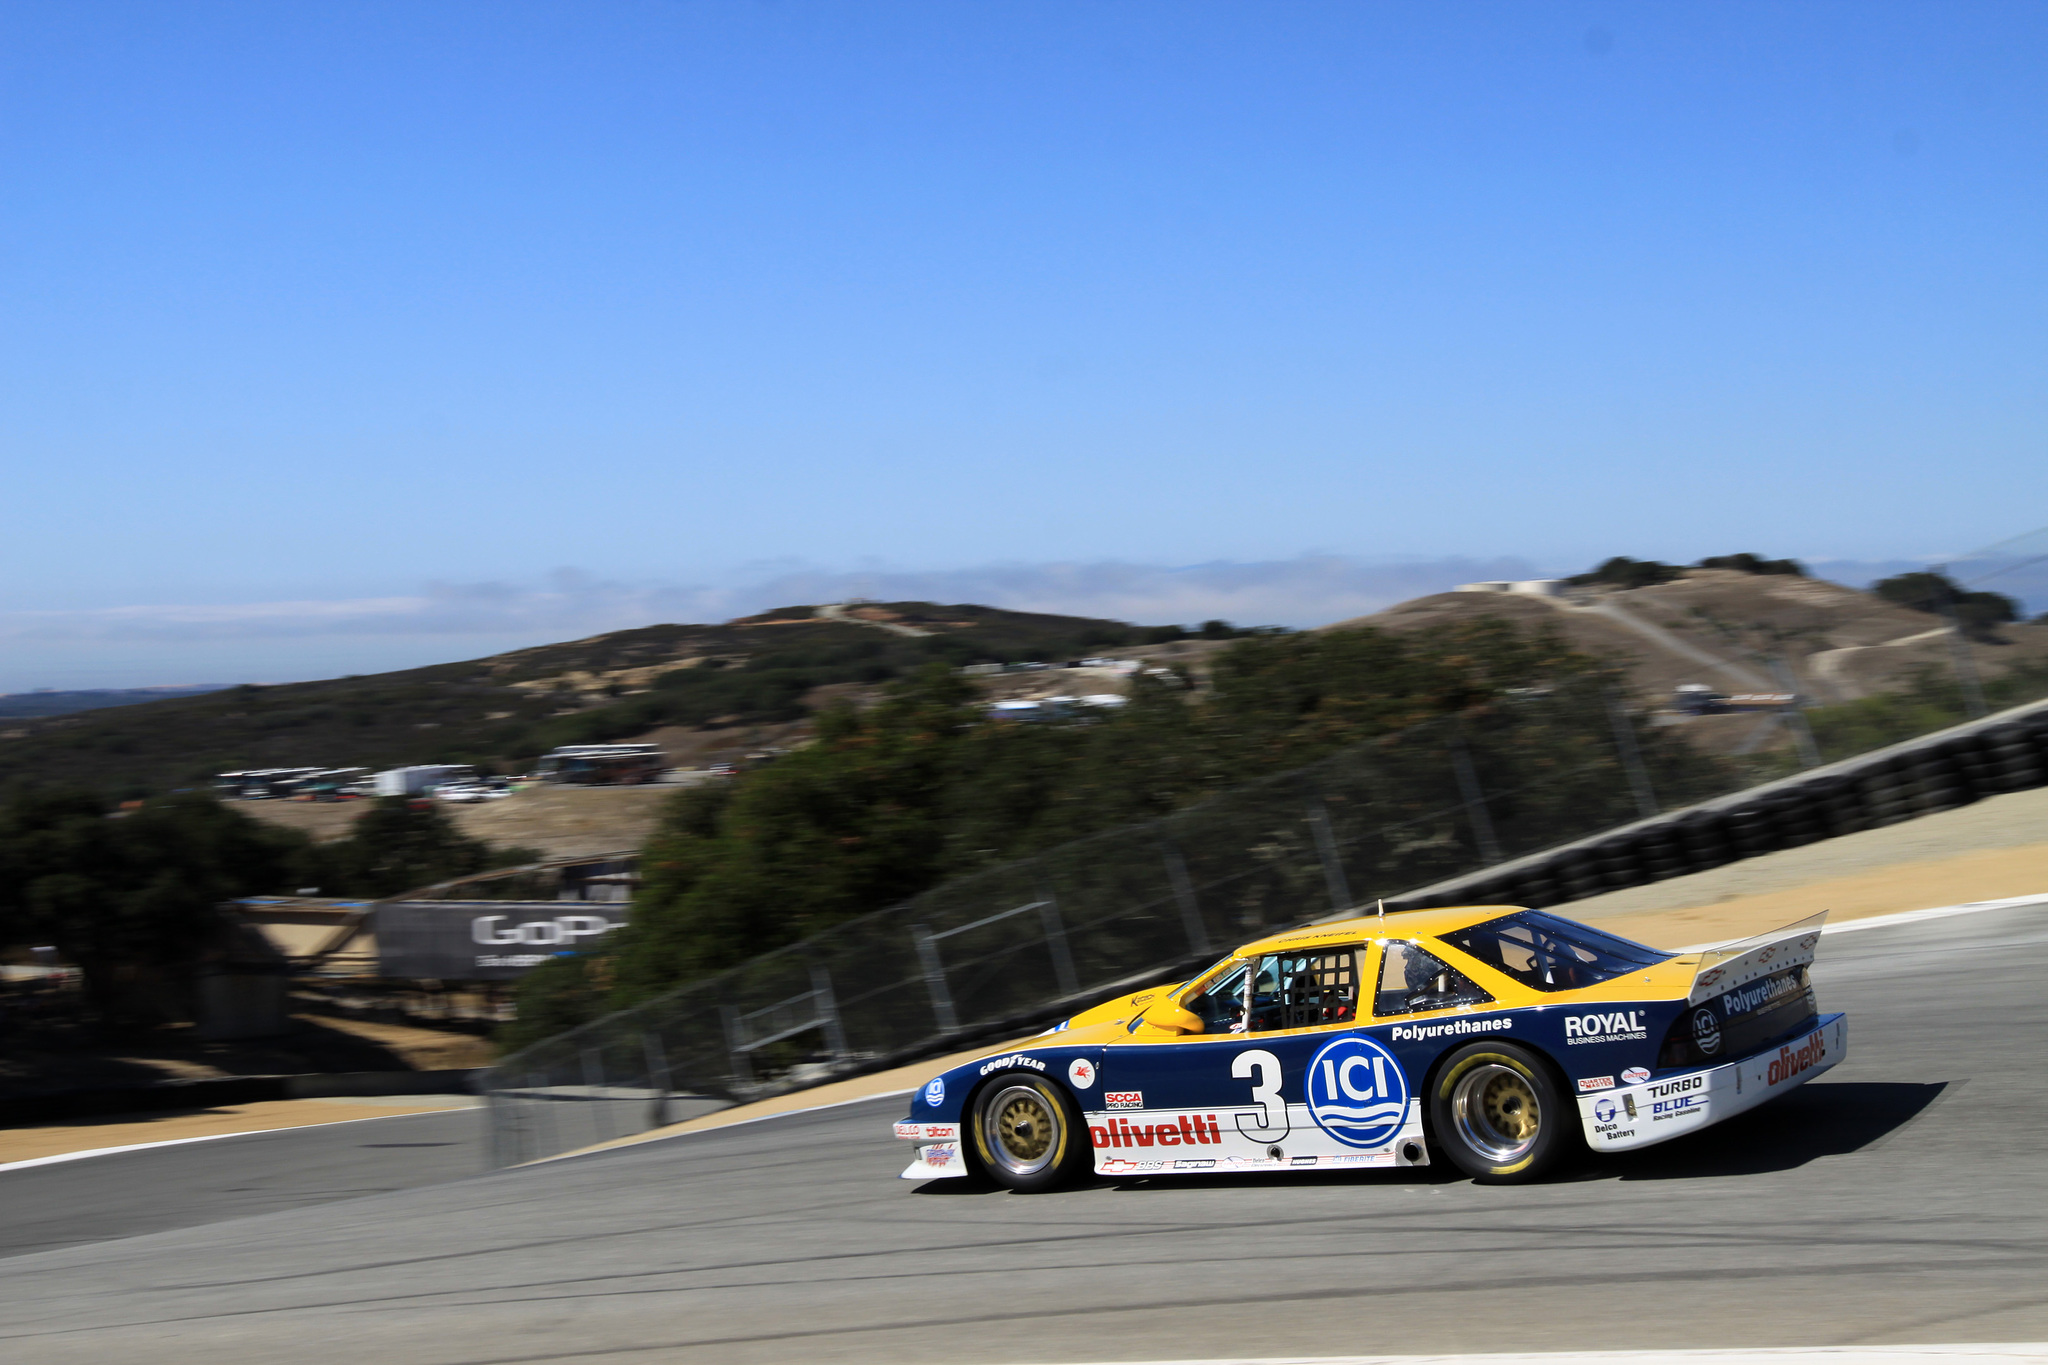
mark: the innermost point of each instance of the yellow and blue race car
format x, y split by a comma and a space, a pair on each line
1498, 1038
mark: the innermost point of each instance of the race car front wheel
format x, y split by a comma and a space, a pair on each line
1028, 1134
1499, 1115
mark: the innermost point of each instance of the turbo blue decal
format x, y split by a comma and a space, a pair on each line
1357, 1093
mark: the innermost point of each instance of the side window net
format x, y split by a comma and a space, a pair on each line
1413, 981
1303, 990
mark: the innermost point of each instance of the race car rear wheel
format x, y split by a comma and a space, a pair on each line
1499, 1114
1028, 1134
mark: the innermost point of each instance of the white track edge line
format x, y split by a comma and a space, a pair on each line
207, 1137
1836, 1355
1849, 926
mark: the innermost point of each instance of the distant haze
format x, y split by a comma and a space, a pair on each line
285, 641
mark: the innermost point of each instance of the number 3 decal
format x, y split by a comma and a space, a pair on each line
1271, 1121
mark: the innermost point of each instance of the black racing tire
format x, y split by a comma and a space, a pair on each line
1028, 1134
1500, 1114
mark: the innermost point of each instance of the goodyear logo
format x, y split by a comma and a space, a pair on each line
1015, 1059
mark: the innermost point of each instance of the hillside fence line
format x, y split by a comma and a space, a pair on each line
1543, 801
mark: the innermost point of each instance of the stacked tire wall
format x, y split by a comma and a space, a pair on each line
1951, 768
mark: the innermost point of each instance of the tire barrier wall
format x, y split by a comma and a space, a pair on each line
2007, 752
1421, 818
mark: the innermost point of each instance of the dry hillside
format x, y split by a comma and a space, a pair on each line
1722, 627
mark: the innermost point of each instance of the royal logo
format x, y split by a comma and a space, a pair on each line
1623, 1026
1789, 1063
1356, 1092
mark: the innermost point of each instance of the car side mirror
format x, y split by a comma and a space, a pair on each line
1171, 1016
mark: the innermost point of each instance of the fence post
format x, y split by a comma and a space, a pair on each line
935, 979
1184, 893
543, 1116
1802, 733
1326, 848
1055, 936
1631, 756
593, 1079
1966, 666
828, 1012
1475, 800
742, 1063
657, 1076
496, 1110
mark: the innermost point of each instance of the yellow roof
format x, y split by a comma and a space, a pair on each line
1400, 924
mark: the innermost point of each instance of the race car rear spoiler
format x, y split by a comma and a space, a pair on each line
1735, 964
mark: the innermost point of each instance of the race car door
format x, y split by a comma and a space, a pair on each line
1281, 1075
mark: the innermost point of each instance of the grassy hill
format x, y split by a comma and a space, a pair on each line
504, 710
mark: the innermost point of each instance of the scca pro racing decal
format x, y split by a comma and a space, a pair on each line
1356, 1092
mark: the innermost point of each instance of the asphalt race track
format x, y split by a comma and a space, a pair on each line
210, 1182
1899, 1199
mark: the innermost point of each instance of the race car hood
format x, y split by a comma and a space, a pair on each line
1111, 1016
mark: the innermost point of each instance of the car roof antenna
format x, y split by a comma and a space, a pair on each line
1383, 907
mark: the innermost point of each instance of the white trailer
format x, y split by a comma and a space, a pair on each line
416, 780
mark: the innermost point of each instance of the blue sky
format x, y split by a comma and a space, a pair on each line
570, 313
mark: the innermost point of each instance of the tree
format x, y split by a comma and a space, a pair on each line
1623, 572
130, 896
1756, 564
1979, 613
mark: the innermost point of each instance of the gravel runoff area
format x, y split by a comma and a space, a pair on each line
1895, 1200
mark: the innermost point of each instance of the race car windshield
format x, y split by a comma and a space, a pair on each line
1550, 954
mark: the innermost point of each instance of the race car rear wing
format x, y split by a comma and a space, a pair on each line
1735, 964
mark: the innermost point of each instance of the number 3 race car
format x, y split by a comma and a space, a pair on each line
1500, 1038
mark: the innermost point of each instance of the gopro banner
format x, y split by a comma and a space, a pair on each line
486, 940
